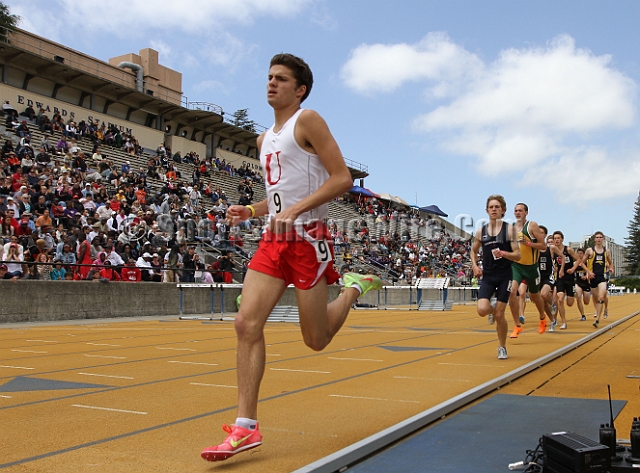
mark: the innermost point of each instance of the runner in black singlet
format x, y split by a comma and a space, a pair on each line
567, 263
583, 287
500, 247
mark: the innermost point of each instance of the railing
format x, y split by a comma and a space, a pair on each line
74, 268
253, 127
205, 106
357, 166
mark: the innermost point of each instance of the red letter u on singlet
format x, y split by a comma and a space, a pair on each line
269, 180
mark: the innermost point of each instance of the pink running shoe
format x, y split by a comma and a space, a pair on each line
238, 440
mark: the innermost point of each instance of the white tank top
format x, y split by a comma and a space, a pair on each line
291, 173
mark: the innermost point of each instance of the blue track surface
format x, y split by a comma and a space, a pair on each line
490, 435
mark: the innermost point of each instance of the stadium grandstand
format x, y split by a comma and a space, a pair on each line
109, 172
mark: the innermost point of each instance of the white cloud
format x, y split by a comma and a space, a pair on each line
37, 20
164, 50
225, 51
384, 68
588, 173
502, 151
210, 85
321, 16
548, 109
195, 17
557, 87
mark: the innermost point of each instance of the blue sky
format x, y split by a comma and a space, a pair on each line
444, 101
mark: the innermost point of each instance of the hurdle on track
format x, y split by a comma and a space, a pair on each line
219, 286
428, 294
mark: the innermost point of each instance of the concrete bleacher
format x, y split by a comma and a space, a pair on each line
419, 235
119, 157
343, 212
229, 184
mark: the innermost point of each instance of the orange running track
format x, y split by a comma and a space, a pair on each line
146, 395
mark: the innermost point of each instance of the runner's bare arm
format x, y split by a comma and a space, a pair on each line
535, 231
477, 272
576, 260
609, 261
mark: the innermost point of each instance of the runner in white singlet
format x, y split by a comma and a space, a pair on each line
304, 169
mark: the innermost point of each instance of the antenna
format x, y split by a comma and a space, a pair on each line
610, 406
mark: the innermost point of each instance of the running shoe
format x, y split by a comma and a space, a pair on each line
502, 353
516, 331
543, 326
238, 440
554, 309
552, 327
596, 323
365, 282
521, 319
492, 318
606, 313
563, 327
595, 316
583, 318
238, 300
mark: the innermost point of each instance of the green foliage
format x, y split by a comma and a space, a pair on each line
633, 241
590, 242
241, 120
7, 22
631, 283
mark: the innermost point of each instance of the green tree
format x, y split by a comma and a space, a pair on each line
590, 242
7, 22
241, 120
633, 241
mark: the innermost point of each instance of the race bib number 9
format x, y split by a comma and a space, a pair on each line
323, 254
278, 202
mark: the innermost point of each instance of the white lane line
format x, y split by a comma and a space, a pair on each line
5, 397
192, 363
42, 341
16, 367
106, 356
176, 349
102, 344
469, 364
109, 409
300, 371
372, 398
105, 375
214, 385
354, 359
432, 379
29, 351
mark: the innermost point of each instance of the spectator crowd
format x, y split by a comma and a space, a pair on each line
70, 212
385, 239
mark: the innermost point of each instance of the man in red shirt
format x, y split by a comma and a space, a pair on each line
24, 228
130, 273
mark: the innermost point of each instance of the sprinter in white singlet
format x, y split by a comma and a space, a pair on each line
304, 169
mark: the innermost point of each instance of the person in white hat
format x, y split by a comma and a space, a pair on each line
144, 263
